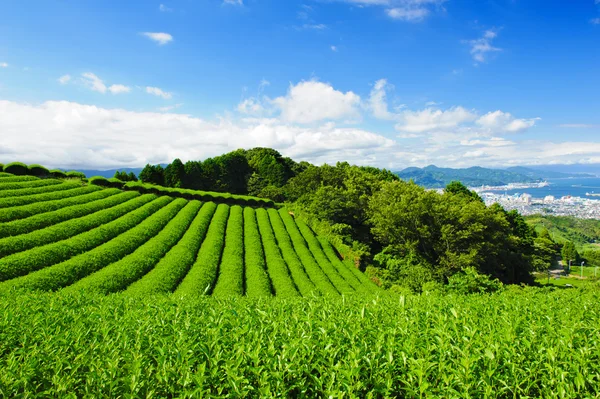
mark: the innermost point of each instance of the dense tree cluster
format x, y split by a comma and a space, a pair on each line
124, 176
411, 235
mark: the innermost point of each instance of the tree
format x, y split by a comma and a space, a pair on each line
457, 188
569, 253
174, 174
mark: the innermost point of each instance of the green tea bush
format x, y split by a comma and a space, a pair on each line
169, 225
102, 211
12, 182
79, 196
231, 268
315, 273
202, 276
171, 269
37, 170
37, 258
306, 287
469, 281
68, 192
58, 174
16, 168
258, 283
75, 174
39, 190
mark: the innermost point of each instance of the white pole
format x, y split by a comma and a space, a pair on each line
582, 269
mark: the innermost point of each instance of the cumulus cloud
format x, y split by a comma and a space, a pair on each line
159, 37
164, 8
68, 134
313, 101
63, 80
430, 119
402, 10
499, 121
94, 83
482, 46
3, 65
378, 100
155, 91
234, 2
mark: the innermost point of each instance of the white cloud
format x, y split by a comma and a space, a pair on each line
250, 106
68, 134
314, 26
159, 37
170, 107
378, 102
155, 91
595, 21
234, 2
334, 49
93, 82
63, 80
313, 101
164, 8
96, 84
402, 10
118, 89
482, 46
430, 119
499, 121
3, 65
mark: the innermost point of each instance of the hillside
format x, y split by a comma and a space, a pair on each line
434, 177
65, 234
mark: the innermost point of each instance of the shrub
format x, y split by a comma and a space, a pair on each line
1, 167
57, 173
469, 281
76, 174
16, 168
38, 170
99, 181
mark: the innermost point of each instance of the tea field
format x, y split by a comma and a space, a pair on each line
60, 234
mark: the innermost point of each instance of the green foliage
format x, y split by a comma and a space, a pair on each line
277, 253
171, 269
202, 276
153, 175
17, 182
55, 185
38, 170
66, 190
50, 227
503, 345
125, 177
58, 174
16, 168
469, 281
155, 242
174, 174
76, 196
569, 253
76, 174
104, 182
457, 188
37, 258
231, 268
568, 228
258, 283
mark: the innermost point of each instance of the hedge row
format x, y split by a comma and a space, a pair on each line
366, 285
225, 198
68, 272
85, 194
108, 212
283, 284
42, 220
299, 256
39, 190
39, 257
16, 168
21, 169
231, 270
344, 285
203, 274
27, 184
174, 266
257, 280
6, 181
43, 197
151, 245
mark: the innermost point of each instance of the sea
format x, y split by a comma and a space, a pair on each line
574, 186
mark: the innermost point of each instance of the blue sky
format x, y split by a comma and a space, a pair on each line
389, 83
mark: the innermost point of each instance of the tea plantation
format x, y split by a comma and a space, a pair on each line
220, 300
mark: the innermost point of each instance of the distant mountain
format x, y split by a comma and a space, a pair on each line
109, 172
575, 169
544, 174
434, 177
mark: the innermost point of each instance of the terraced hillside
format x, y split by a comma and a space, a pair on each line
59, 234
